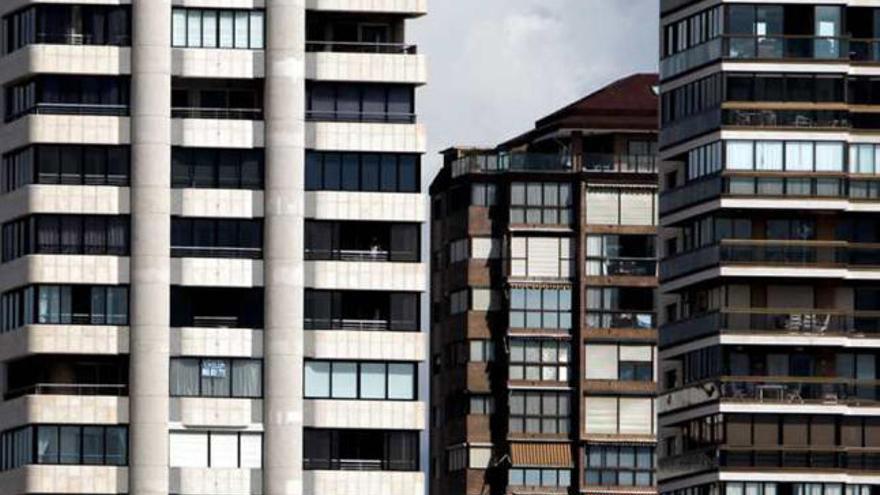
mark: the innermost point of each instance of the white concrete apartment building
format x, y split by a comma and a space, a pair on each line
211, 274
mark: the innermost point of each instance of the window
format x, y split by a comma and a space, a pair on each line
691, 31
692, 98
540, 203
539, 360
621, 255
540, 308
540, 412
360, 380
534, 477
798, 156
544, 257
366, 172
360, 450
864, 159
458, 250
619, 362
64, 305
362, 241
618, 206
215, 449
66, 234
620, 307
703, 161
619, 415
216, 377
57, 94
619, 465
69, 444
360, 102
483, 194
217, 169
361, 310
212, 238
204, 28
481, 351
481, 405
67, 25
66, 164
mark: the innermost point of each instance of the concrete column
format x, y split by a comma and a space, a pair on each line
283, 249
150, 245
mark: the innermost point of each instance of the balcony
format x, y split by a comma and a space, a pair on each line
360, 47
218, 99
776, 253
362, 241
692, 193
207, 307
217, 113
642, 320
76, 389
361, 310
773, 321
864, 50
627, 164
67, 375
777, 47
799, 390
503, 162
627, 267
799, 119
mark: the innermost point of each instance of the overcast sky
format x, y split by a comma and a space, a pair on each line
495, 66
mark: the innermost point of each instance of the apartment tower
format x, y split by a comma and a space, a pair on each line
769, 278
211, 274
543, 287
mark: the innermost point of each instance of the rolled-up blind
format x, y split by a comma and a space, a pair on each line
603, 206
636, 416
601, 415
601, 362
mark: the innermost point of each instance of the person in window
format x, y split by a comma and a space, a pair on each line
375, 248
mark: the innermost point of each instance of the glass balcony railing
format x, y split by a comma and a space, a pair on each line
782, 321
775, 47
799, 390
636, 164
628, 267
864, 50
833, 119
502, 162
217, 113
360, 47
114, 390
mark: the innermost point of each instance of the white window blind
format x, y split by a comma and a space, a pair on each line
224, 450
636, 416
641, 353
484, 300
484, 248
637, 207
188, 449
480, 457
603, 206
251, 450
601, 415
601, 362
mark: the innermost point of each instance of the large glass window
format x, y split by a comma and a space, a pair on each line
66, 164
361, 310
620, 307
360, 450
216, 168
540, 412
362, 241
213, 238
64, 305
539, 360
540, 203
540, 308
367, 172
68, 444
65, 95
614, 465
539, 478
66, 234
793, 156
67, 25
360, 380
216, 377
360, 102
211, 28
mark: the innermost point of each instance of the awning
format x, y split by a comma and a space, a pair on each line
541, 455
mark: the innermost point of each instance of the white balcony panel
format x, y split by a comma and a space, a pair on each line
216, 272
66, 129
80, 200
225, 342
365, 275
367, 206
65, 269
222, 4
66, 59
410, 7
348, 136
218, 63
367, 67
63, 339
64, 409
69, 480
367, 482
217, 133
366, 345
209, 481
217, 203
379, 415
216, 412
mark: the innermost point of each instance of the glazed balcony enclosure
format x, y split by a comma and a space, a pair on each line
361, 241
356, 33
67, 25
361, 310
67, 375
227, 99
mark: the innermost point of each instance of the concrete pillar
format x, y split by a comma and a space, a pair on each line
150, 246
283, 248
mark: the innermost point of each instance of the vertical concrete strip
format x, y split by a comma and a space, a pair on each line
150, 245
283, 252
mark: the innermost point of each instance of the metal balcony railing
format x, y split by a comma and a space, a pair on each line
69, 389
357, 117
216, 252
361, 47
217, 113
633, 164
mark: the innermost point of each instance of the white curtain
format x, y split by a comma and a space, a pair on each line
799, 156
768, 155
740, 155
829, 157
247, 378
185, 377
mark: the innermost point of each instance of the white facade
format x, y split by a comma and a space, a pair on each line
179, 335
